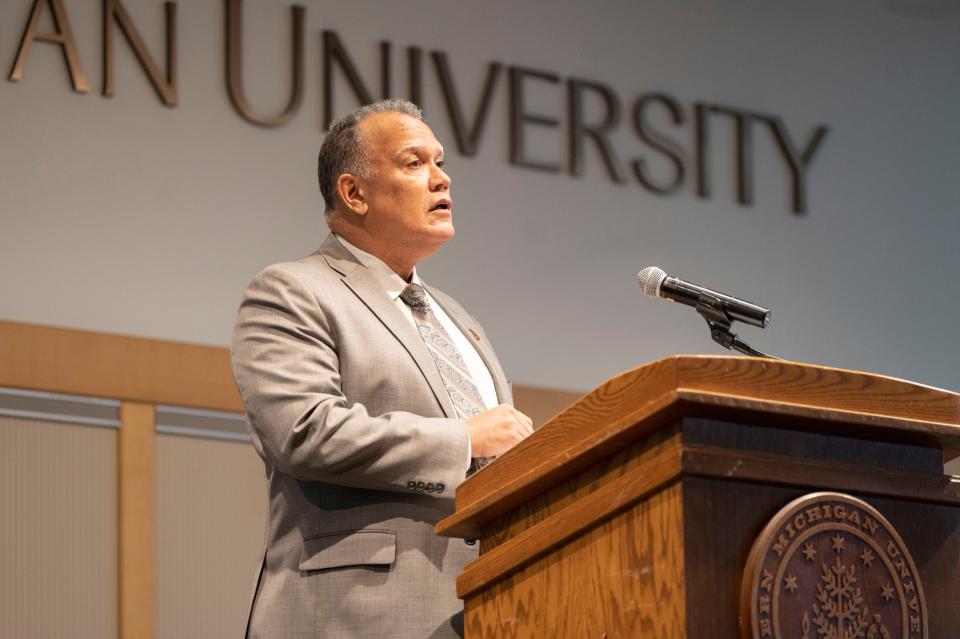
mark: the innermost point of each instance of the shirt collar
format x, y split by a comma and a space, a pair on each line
392, 283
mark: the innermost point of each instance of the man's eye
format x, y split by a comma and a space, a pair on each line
414, 164
441, 163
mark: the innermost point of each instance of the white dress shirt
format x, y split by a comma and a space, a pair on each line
393, 284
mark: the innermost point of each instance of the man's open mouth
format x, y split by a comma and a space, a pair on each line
442, 205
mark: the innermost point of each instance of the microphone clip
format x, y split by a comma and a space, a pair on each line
714, 312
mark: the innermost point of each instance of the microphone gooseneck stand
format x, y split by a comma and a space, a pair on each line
712, 310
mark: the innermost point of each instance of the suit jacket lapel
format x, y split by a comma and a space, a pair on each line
359, 280
466, 325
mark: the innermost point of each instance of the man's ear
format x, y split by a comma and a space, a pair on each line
351, 193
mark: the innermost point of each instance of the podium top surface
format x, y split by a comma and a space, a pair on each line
783, 394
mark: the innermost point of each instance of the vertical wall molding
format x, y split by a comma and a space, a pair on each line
136, 482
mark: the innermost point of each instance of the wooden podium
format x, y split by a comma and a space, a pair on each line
634, 511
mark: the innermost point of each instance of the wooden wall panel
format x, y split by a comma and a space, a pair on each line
58, 530
62, 360
211, 508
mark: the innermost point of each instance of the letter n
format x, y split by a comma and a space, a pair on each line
166, 87
335, 53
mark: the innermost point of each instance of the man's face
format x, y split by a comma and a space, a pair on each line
407, 192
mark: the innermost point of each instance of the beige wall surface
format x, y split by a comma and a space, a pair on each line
211, 509
122, 215
58, 530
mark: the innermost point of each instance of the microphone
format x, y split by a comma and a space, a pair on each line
655, 283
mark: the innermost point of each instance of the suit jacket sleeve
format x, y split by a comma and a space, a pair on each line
285, 362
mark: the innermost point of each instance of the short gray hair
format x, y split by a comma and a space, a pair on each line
343, 151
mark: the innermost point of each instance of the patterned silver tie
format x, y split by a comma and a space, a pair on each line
453, 370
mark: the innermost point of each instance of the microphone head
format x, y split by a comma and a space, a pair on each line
650, 279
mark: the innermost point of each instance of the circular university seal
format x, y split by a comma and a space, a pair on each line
829, 566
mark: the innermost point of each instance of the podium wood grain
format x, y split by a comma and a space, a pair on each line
631, 512
630, 568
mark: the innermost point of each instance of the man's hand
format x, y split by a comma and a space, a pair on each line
495, 431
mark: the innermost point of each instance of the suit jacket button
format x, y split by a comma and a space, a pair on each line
440, 487
430, 486
412, 485
470, 542
421, 485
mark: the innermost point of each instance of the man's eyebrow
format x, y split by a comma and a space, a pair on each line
415, 148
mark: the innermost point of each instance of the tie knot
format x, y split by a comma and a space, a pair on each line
415, 297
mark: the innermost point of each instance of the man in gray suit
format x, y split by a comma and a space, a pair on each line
368, 395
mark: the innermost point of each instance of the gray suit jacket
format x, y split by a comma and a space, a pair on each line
363, 453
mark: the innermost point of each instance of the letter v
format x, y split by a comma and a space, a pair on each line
468, 138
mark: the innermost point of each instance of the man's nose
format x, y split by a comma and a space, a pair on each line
440, 180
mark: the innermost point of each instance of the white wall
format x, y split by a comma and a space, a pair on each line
121, 215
